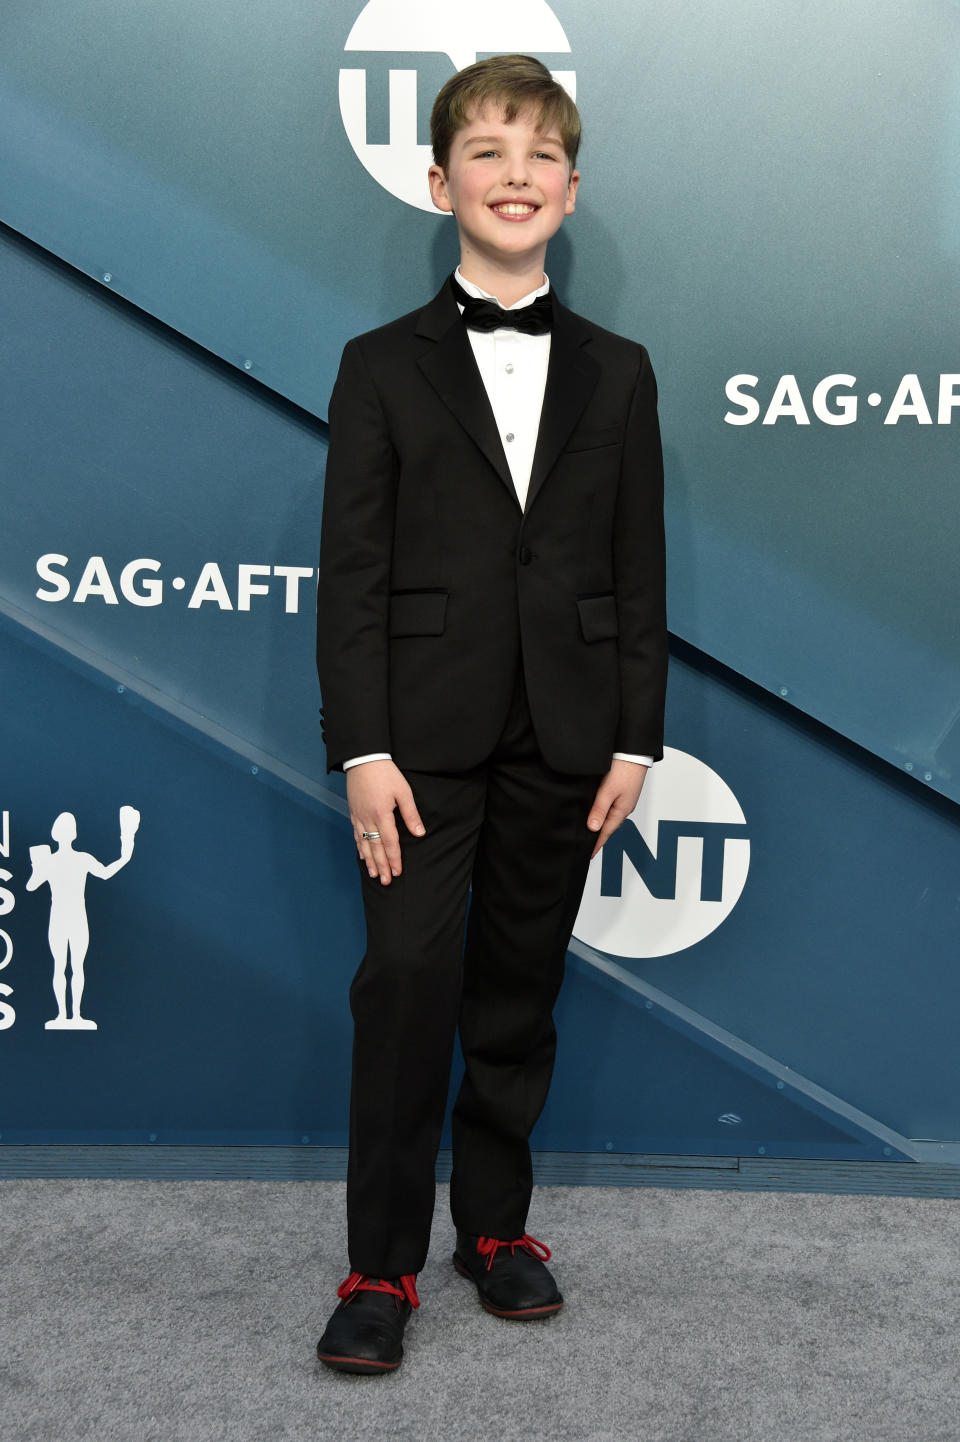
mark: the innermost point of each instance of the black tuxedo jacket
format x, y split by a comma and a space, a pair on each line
434, 585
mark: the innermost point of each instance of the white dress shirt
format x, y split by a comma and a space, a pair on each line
513, 368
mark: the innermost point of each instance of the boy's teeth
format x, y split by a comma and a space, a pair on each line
515, 209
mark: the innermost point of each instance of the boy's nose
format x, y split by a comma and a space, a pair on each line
516, 173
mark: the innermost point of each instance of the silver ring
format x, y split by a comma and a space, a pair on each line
370, 835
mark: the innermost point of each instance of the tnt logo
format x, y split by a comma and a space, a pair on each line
455, 28
675, 869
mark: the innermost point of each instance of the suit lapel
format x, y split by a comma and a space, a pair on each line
572, 377
451, 369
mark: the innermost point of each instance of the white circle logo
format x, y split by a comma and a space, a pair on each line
675, 869
449, 27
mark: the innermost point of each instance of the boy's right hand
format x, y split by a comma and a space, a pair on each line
374, 790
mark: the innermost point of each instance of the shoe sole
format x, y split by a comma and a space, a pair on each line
359, 1366
526, 1314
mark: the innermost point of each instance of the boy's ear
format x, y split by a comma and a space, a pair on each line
572, 184
438, 189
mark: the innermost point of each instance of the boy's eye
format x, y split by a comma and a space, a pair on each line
537, 155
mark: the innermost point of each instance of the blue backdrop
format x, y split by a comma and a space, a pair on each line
771, 201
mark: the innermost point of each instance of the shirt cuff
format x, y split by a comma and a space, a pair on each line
640, 760
374, 756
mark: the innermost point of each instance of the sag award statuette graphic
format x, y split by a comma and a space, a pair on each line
65, 871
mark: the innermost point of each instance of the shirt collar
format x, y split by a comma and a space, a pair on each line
479, 294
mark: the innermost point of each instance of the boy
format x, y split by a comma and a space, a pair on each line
492, 653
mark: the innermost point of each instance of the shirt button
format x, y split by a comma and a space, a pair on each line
526, 556
508, 436
509, 368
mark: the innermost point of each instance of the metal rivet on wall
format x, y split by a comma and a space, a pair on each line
121, 690
107, 277
248, 365
254, 770
908, 766
784, 690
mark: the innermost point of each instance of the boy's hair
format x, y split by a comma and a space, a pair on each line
513, 82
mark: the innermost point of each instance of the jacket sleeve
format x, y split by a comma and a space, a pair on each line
640, 575
353, 592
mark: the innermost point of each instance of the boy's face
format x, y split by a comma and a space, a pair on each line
509, 186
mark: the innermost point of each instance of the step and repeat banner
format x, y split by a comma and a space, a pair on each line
201, 201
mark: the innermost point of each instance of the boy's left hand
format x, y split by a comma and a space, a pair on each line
617, 795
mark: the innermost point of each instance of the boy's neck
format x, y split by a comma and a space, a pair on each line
506, 284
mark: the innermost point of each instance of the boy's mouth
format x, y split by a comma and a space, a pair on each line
514, 209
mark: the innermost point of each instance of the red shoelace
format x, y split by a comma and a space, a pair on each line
357, 1282
489, 1247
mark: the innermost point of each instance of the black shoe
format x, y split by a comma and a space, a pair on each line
510, 1276
365, 1333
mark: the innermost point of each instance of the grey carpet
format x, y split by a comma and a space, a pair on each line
140, 1310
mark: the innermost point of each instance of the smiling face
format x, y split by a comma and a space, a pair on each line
509, 186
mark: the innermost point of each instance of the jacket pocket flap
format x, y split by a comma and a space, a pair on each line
418, 613
593, 440
598, 617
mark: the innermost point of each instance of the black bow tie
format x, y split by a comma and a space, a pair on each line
486, 315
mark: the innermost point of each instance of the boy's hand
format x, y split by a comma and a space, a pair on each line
374, 790
617, 795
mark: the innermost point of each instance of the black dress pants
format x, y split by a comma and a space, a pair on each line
515, 831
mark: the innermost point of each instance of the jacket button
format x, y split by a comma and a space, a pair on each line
526, 556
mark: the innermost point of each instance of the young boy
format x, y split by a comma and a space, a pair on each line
492, 653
